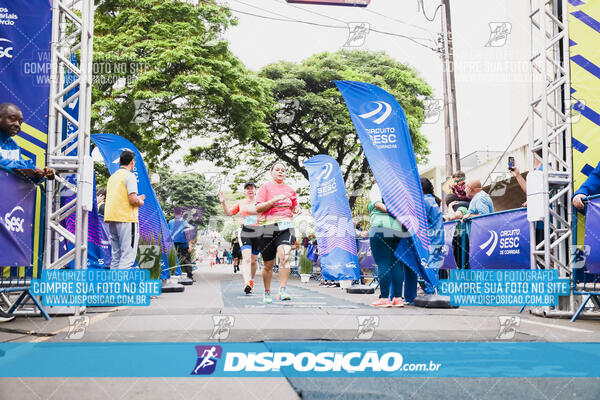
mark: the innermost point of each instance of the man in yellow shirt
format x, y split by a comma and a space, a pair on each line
121, 212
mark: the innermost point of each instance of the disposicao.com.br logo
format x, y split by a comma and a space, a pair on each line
306, 362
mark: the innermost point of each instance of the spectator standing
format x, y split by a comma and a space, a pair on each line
481, 203
121, 212
590, 187
178, 227
385, 236
11, 159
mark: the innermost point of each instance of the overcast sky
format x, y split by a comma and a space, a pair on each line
492, 81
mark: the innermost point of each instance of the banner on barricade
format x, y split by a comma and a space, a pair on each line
16, 221
448, 251
365, 256
152, 223
592, 236
500, 241
25, 41
382, 128
334, 227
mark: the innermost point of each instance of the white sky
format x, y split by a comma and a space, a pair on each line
492, 82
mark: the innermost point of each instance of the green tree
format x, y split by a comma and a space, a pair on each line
189, 191
313, 119
161, 75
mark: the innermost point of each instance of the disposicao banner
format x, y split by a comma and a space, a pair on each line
500, 241
381, 126
334, 227
592, 236
152, 220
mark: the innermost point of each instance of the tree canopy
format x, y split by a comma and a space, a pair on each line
161, 75
189, 191
312, 118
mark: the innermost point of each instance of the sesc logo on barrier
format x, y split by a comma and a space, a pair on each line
207, 359
5, 50
352, 362
508, 240
13, 222
380, 137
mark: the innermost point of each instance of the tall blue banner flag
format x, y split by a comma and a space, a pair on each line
151, 217
385, 138
500, 241
334, 227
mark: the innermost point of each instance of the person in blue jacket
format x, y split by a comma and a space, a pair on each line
11, 119
590, 187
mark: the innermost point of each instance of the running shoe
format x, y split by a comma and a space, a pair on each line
397, 302
283, 294
267, 299
248, 288
251, 286
382, 303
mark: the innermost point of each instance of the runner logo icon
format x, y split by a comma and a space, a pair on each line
207, 359
494, 242
380, 106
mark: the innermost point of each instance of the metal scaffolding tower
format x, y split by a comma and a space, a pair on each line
550, 135
72, 33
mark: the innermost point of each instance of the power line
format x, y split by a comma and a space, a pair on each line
287, 19
397, 20
422, 7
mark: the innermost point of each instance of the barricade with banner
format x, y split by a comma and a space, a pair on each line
592, 236
334, 227
500, 241
448, 252
365, 256
17, 214
152, 222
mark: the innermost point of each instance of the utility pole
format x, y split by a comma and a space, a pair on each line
447, 131
452, 96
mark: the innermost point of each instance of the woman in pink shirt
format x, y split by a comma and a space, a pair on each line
277, 203
248, 234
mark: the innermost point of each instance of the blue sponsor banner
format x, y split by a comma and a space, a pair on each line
500, 241
152, 220
300, 359
448, 252
17, 210
365, 255
25, 34
383, 131
592, 236
334, 227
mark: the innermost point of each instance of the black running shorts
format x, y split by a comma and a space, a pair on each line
273, 237
249, 237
